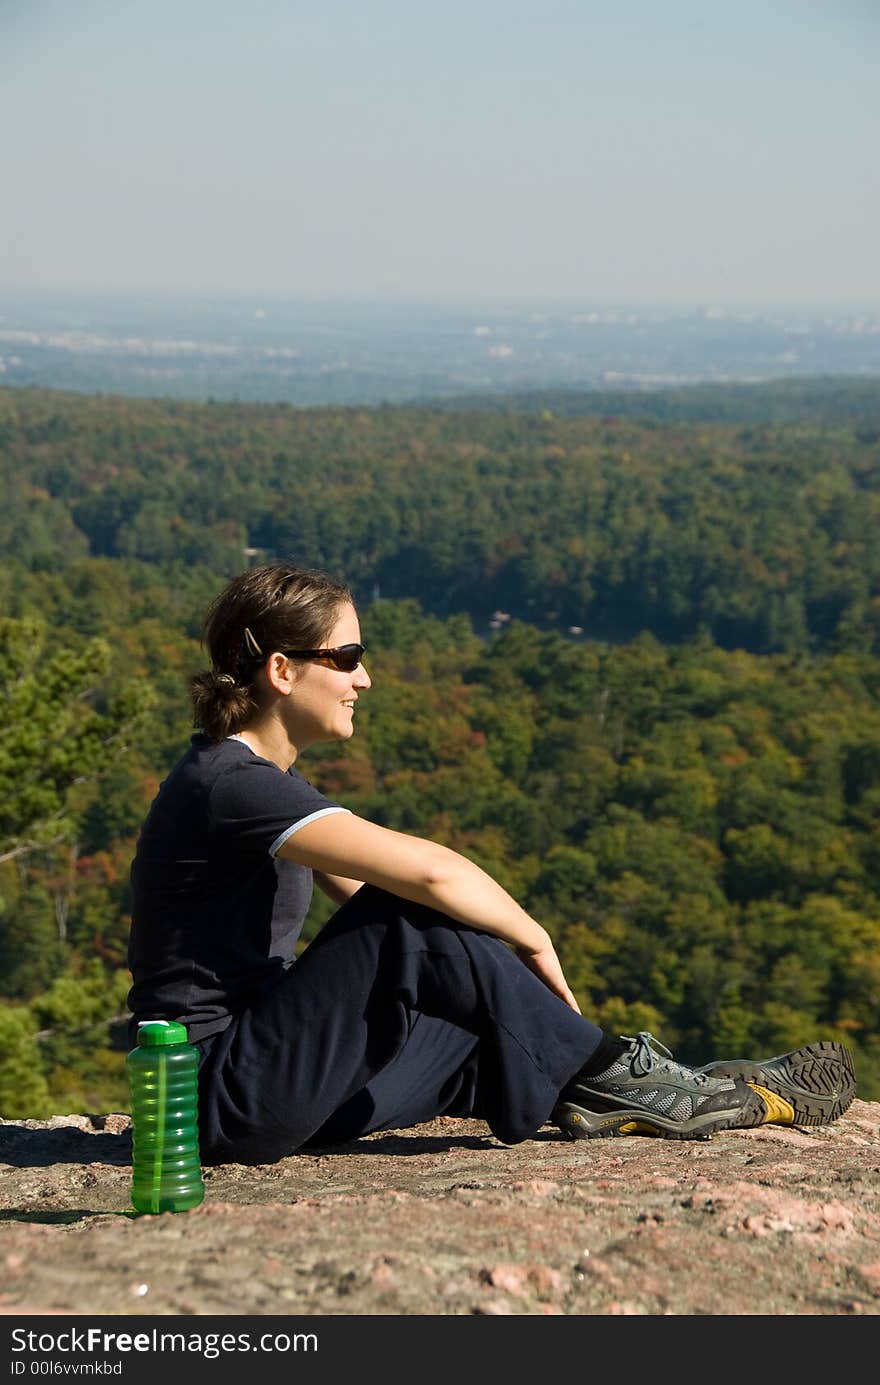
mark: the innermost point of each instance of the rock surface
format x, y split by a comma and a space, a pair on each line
442, 1219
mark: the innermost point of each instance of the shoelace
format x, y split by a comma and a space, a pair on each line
650, 1054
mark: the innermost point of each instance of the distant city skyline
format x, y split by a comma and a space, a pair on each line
345, 351
564, 152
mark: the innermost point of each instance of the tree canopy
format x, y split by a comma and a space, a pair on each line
684, 788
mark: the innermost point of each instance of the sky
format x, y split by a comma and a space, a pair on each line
657, 151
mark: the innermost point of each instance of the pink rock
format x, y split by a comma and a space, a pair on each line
871, 1275
116, 1123
704, 1200
493, 1308
835, 1215
756, 1226
592, 1265
511, 1278
540, 1187
546, 1281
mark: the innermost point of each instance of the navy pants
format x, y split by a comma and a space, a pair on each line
392, 1015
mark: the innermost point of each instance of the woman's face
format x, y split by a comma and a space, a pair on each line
322, 704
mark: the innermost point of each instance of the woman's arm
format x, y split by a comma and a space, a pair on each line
338, 887
342, 844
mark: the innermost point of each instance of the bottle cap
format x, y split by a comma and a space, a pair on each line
155, 1033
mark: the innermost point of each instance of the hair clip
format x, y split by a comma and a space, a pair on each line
252, 644
226, 679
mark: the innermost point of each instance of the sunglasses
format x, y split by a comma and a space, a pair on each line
345, 658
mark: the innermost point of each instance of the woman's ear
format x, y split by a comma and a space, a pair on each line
280, 674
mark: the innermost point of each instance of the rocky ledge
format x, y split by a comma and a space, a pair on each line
442, 1219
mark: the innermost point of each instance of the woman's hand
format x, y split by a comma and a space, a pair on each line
548, 968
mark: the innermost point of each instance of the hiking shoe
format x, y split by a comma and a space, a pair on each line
645, 1092
812, 1085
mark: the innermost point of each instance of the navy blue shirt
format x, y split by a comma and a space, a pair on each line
216, 914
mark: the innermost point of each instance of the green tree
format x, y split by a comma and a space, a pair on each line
24, 1092
58, 729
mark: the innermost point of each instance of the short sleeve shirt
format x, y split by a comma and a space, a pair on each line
216, 914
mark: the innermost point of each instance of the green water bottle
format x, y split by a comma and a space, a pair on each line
163, 1080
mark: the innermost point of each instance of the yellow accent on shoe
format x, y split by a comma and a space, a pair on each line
779, 1111
637, 1128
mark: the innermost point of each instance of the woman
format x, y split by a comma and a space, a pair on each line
429, 992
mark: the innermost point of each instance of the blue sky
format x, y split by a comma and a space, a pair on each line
680, 150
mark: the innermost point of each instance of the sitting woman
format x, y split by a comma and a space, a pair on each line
429, 992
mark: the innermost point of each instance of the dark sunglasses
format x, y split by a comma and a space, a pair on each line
345, 658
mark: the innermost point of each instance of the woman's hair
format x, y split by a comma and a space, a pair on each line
272, 607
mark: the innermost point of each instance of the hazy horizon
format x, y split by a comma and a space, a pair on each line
313, 351
176, 294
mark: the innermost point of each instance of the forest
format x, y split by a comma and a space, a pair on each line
629, 664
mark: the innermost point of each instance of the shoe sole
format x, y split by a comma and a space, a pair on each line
579, 1123
811, 1086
